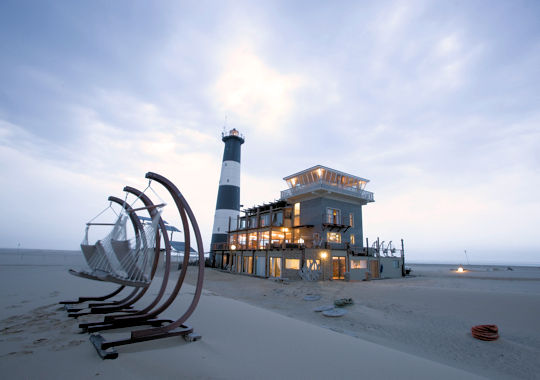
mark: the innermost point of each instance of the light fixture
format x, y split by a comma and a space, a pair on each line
324, 255
233, 247
460, 269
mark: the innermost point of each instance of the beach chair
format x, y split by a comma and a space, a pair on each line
147, 316
115, 259
132, 265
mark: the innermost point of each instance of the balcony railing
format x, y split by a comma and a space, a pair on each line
328, 186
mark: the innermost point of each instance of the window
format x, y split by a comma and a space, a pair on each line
265, 220
317, 241
275, 267
264, 239
248, 260
352, 239
242, 223
292, 264
277, 219
313, 264
296, 214
333, 237
253, 222
277, 237
242, 241
333, 216
358, 264
396, 264
252, 240
351, 219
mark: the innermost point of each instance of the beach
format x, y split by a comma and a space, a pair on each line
414, 327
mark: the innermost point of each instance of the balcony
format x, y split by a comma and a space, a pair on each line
322, 187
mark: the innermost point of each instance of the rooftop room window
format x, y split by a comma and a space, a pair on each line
242, 223
333, 216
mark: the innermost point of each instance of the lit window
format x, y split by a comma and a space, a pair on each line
333, 237
351, 219
275, 267
358, 264
292, 264
352, 239
313, 264
296, 214
333, 216
248, 260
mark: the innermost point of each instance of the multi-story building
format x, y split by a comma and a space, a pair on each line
316, 225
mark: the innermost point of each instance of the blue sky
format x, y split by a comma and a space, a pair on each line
437, 103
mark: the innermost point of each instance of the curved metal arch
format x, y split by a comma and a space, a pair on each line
183, 209
144, 313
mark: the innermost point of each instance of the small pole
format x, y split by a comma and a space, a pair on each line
402, 259
467, 257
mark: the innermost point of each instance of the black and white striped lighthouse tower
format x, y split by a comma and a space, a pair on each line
228, 199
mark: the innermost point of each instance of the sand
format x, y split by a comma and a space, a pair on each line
269, 331
428, 314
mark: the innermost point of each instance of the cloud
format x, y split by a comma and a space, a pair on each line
254, 93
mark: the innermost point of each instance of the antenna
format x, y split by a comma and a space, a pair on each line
467, 257
225, 123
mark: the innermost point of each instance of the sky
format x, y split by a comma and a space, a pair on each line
437, 103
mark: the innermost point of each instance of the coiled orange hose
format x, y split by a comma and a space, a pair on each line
485, 332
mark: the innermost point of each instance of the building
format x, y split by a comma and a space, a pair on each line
228, 198
314, 228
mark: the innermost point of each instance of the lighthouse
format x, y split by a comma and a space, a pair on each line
228, 198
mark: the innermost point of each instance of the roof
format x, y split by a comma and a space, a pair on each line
266, 207
181, 246
327, 169
168, 227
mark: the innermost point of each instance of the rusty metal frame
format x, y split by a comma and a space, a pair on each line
175, 328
